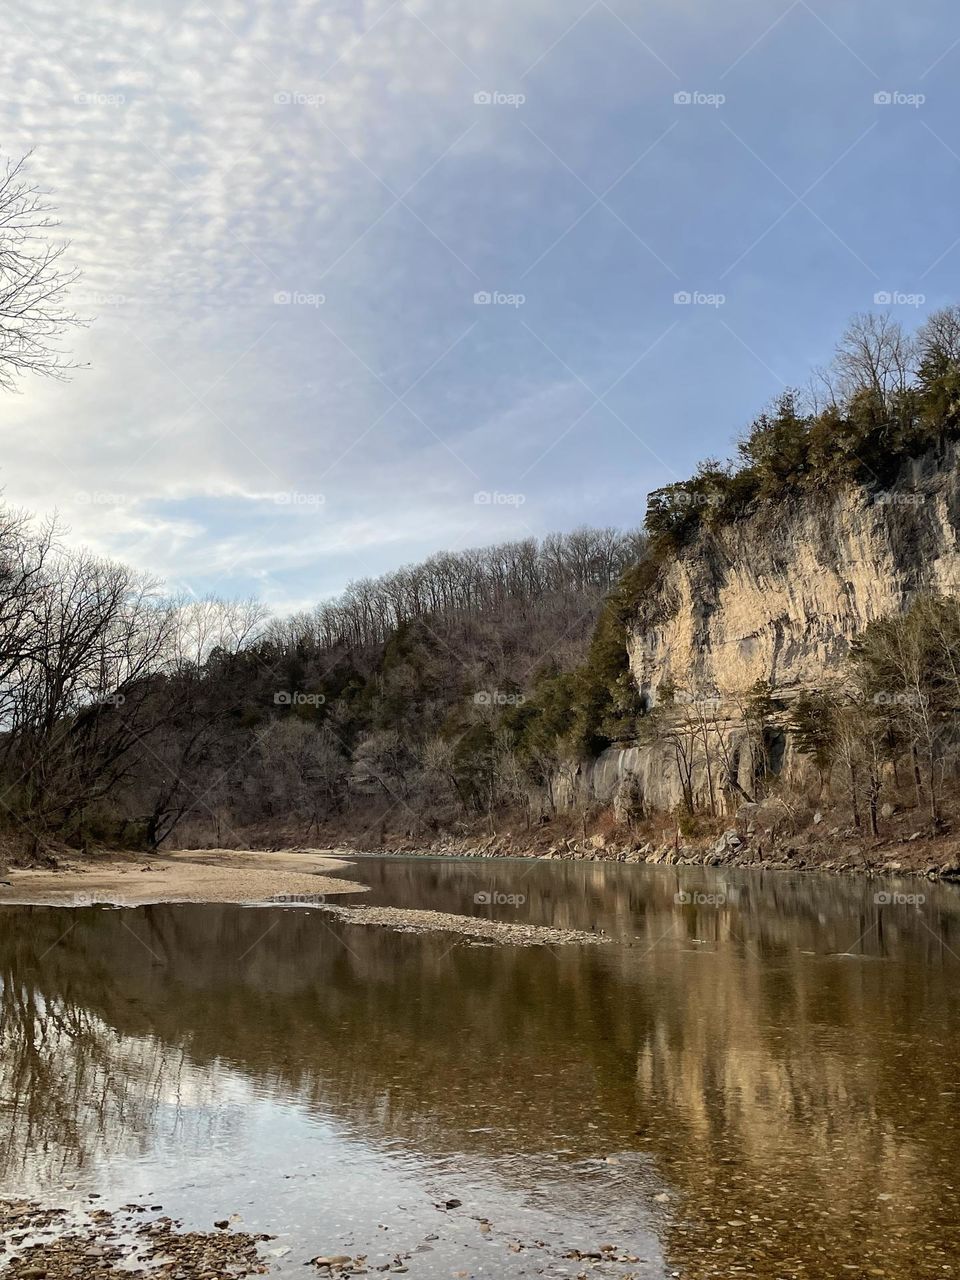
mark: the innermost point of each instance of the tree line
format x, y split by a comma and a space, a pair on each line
96, 666
125, 714
477, 581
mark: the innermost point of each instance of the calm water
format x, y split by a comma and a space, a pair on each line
764, 1081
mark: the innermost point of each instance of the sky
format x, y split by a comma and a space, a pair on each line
373, 279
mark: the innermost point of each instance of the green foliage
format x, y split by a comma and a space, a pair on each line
412, 680
538, 725
777, 446
814, 727
938, 409
891, 398
607, 702
474, 766
761, 704
597, 704
676, 512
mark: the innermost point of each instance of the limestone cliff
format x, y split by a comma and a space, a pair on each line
778, 595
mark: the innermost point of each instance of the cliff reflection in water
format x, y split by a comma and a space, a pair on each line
784, 1064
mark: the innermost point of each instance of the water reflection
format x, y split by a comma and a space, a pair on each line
764, 1072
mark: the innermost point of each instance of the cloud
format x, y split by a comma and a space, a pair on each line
283, 210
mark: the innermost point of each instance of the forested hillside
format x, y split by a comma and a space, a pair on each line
461, 689
129, 717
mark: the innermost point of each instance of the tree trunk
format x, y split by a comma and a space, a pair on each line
874, 797
934, 804
854, 798
917, 780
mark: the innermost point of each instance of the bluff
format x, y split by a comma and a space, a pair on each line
777, 594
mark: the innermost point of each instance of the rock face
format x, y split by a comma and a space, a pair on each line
649, 775
777, 596
780, 594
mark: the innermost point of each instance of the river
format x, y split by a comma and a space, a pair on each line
758, 1076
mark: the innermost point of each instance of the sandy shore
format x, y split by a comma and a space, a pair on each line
193, 875
289, 878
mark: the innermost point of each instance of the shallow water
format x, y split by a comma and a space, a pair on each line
760, 1079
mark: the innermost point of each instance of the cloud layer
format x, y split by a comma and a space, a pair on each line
286, 212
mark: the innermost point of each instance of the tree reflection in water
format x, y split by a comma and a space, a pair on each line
732, 1058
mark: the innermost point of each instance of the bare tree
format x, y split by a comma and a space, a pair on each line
874, 356
33, 282
302, 770
207, 624
938, 339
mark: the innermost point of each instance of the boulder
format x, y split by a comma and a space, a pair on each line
746, 815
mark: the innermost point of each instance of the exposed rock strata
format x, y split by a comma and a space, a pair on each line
778, 595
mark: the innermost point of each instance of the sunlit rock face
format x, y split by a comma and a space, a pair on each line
778, 596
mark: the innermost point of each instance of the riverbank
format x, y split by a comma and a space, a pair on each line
763, 837
194, 875
41, 1243
275, 878
38, 1242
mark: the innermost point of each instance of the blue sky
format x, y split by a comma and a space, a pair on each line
285, 210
